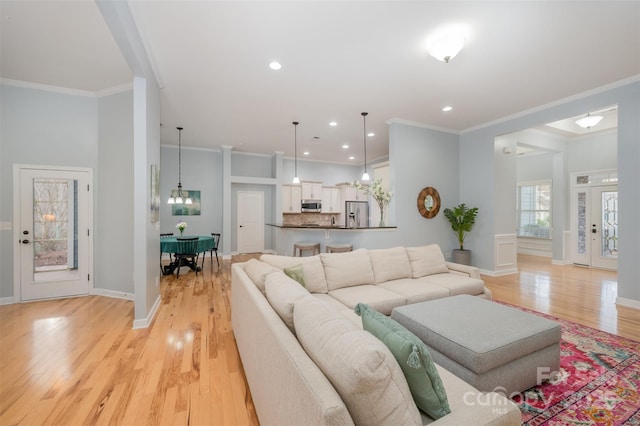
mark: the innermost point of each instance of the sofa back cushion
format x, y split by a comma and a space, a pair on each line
258, 272
390, 264
426, 260
362, 370
347, 269
282, 293
313, 272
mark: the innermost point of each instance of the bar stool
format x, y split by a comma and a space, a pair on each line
338, 247
305, 245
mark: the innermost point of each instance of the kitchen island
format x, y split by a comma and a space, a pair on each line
285, 236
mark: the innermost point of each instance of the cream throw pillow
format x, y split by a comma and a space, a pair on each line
426, 260
347, 269
390, 264
360, 367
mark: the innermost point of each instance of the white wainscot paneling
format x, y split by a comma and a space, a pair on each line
535, 246
506, 254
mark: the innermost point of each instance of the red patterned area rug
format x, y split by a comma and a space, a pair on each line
598, 382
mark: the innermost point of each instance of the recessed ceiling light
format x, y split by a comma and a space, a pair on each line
306, 153
345, 146
447, 108
333, 123
371, 134
352, 158
275, 65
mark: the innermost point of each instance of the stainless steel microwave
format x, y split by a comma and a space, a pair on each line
313, 206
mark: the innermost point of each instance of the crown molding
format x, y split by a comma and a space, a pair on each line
47, 88
421, 125
67, 91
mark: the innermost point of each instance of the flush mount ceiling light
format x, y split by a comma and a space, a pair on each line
296, 179
178, 196
365, 175
446, 42
275, 65
588, 121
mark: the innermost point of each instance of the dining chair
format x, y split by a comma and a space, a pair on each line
187, 249
216, 242
165, 235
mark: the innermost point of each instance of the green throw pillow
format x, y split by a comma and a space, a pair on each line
414, 359
296, 273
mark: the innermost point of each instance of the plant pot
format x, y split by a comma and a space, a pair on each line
463, 257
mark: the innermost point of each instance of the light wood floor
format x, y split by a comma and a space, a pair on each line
77, 361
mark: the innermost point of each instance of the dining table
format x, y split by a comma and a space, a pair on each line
170, 245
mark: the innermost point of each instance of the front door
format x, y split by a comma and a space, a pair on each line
53, 232
250, 225
595, 221
604, 227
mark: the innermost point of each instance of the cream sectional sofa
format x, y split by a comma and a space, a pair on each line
289, 388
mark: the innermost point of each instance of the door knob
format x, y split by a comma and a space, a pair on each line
25, 241
25, 232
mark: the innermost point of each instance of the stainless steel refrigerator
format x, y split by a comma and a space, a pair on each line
356, 214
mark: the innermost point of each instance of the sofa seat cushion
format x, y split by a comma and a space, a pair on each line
347, 269
390, 264
426, 260
258, 272
282, 292
415, 290
380, 299
313, 272
455, 283
361, 369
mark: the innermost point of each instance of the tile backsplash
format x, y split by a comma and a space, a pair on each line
322, 219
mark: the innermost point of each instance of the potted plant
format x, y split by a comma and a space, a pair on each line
462, 219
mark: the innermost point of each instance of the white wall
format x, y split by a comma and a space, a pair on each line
39, 127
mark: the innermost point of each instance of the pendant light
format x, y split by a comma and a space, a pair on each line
178, 197
365, 175
296, 179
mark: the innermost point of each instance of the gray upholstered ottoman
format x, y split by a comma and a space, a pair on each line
490, 346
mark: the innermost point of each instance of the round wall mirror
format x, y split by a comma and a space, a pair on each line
429, 202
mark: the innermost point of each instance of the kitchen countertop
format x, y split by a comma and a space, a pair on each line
329, 227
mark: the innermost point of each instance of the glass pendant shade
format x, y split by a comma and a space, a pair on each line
365, 177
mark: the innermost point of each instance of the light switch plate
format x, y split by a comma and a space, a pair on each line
5, 226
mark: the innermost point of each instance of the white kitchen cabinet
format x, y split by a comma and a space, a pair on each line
311, 190
350, 193
331, 200
291, 199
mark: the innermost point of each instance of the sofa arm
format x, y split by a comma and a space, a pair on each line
469, 271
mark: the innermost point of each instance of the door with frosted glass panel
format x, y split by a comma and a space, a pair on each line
54, 233
595, 219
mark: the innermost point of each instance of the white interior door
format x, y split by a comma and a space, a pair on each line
250, 225
595, 224
53, 234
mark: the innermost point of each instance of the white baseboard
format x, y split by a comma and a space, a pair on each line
235, 253
628, 303
560, 262
145, 323
112, 293
498, 273
6, 300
